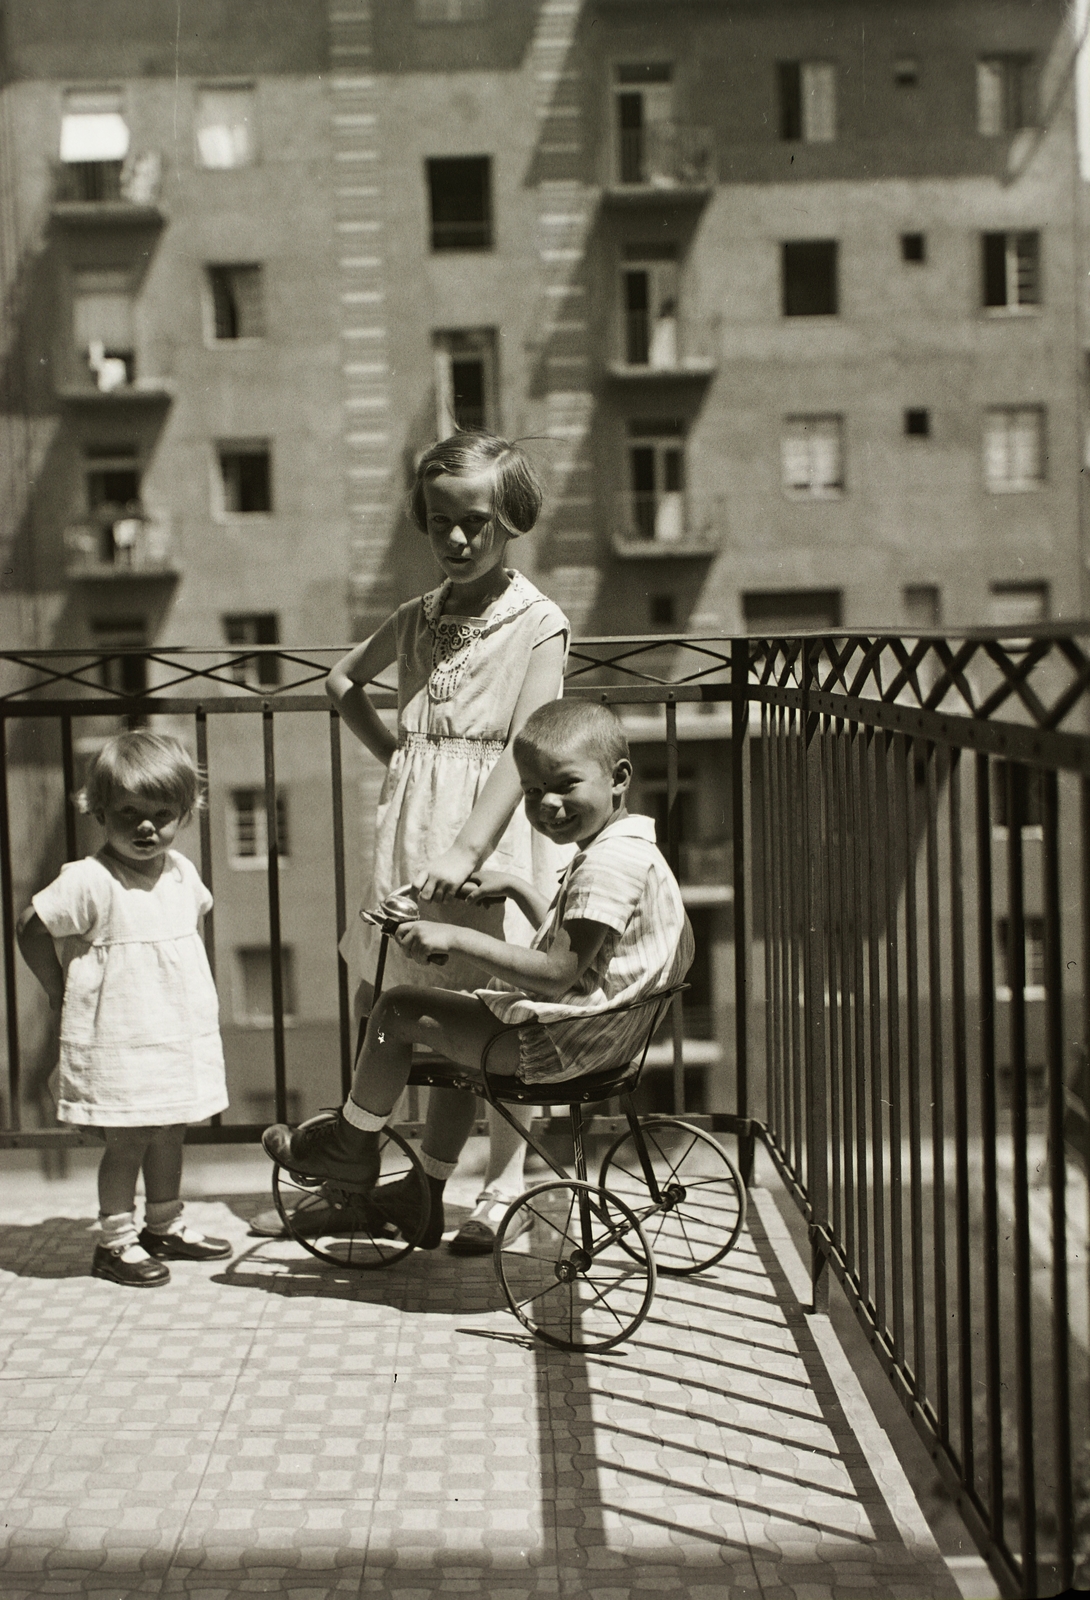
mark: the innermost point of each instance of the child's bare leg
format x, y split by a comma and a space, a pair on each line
503, 1181
119, 1170
120, 1256
165, 1235
458, 1025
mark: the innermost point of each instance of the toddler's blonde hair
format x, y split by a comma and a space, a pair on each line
144, 763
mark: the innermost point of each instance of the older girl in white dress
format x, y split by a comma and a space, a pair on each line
474, 658
115, 942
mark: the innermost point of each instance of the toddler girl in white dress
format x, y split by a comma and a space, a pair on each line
115, 942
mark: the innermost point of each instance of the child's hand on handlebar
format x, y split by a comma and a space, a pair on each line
425, 941
442, 878
485, 888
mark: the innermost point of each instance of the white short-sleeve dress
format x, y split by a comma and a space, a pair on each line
458, 682
140, 1041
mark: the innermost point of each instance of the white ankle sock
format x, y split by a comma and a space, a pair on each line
435, 1168
365, 1121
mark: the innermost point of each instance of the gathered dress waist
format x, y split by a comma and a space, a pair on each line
450, 744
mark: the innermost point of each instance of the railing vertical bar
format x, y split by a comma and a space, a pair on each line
796, 756
993, 1377
1057, 1175
1023, 1330
7, 894
907, 788
68, 778
673, 855
858, 824
344, 1013
772, 1069
739, 750
890, 816
834, 946
871, 756
849, 935
204, 832
786, 856
938, 1092
960, 1065
814, 972
276, 949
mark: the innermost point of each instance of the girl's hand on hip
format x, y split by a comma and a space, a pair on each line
425, 941
442, 878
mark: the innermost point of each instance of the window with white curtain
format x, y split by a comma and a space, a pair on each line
225, 128
812, 456
1014, 448
93, 126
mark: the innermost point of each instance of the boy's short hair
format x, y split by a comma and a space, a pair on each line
560, 726
516, 498
152, 764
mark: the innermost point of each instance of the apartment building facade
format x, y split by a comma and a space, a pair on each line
785, 295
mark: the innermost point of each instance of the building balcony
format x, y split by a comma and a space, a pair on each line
664, 161
705, 873
120, 548
662, 525
94, 193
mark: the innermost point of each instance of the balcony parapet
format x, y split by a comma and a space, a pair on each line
106, 192
663, 525
665, 161
122, 548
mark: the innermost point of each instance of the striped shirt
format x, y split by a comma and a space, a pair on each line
621, 880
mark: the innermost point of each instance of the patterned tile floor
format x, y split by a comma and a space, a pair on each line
269, 1425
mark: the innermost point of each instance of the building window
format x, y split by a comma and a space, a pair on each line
94, 144
781, 612
1011, 269
906, 72
450, 10
114, 510
102, 325
809, 273
1014, 448
812, 457
922, 604
807, 101
662, 611
121, 674
225, 128
914, 247
1003, 94
255, 990
649, 296
918, 423
247, 828
1034, 930
656, 481
460, 191
237, 302
245, 477
465, 380
246, 628
1032, 799
643, 122
1015, 603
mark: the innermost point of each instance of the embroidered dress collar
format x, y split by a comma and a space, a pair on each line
519, 594
454, 637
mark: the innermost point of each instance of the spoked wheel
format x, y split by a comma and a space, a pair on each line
575, 1266
703, 1204
352, 1230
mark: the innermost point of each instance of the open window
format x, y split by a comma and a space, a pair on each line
102, 327
93, 145
649, 297
466, 387
655, 511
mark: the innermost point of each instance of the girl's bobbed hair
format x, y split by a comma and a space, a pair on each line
516, 498
153, 764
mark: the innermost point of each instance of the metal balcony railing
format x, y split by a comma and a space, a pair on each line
136, 181
662, 523
896, 807
119, 547
666, 155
